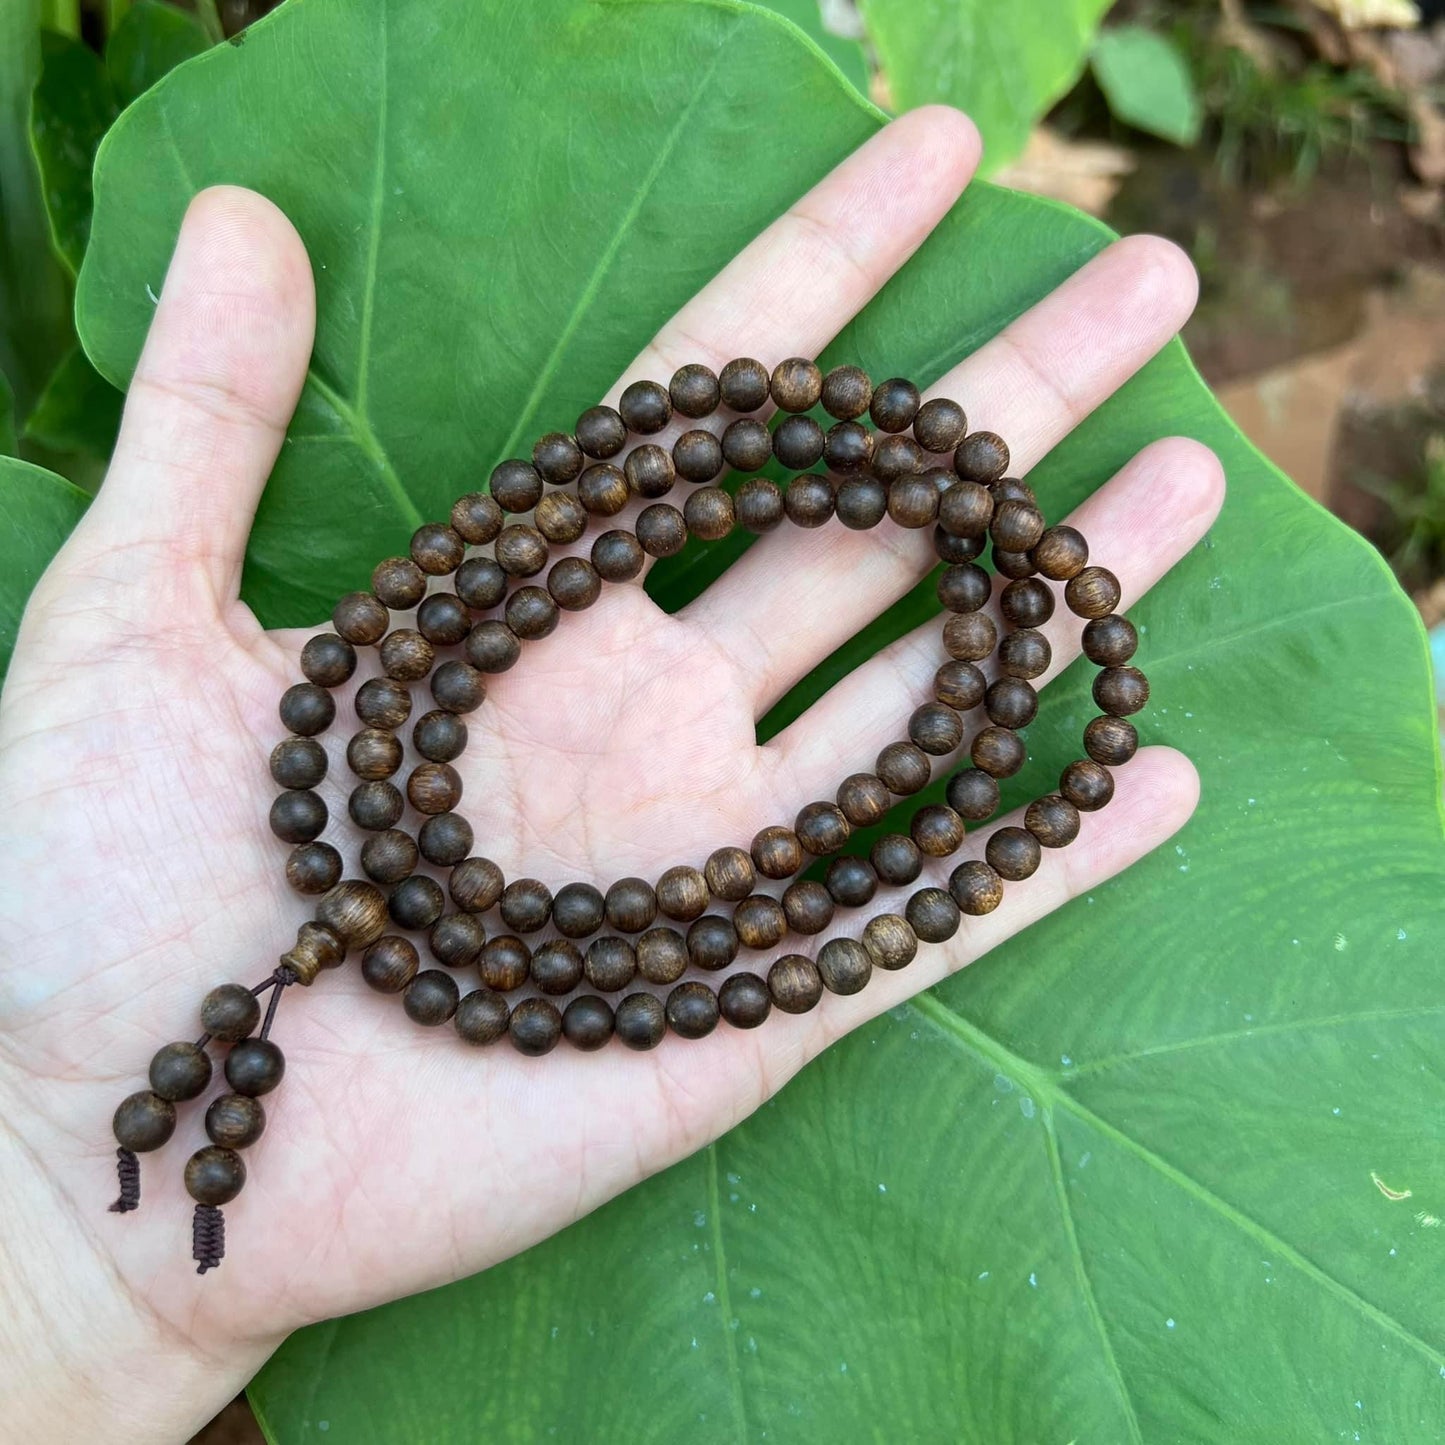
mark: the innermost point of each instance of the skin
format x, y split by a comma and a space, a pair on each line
138, 870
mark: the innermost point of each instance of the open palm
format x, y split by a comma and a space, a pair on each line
141, 707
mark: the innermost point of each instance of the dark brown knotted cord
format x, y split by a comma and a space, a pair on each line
127, 1166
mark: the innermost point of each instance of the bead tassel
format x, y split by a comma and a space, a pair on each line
208, 1237
127, 1168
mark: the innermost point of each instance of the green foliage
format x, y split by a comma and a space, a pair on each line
846, 54
1147, 83
7, 418
79, 411
1005, 64
151, 40
39, 510
1066, 1194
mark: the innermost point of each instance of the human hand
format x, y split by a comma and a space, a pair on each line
138, 871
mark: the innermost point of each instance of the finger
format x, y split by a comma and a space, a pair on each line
208, 405
1032, 384
1139, 524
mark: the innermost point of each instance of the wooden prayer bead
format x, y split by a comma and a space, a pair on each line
809, 501
863, 799
561, 517
603, 490
760, 921
998, 751
1087, 785
981, 457
399, 584
229, 1013
965, 509
390, 963
913, 502
436, 549
313, 867
374, 753
844, 965
382, 702
376, 806
254, 1067
796, 384
1013, 564
630, 905
505, 963
729, 874
144, 1121
1111, 741
935, 728
526, 905
406, 656
180, 1071
431, 998
476, 884
521, 551
975, 887
895, 457
973, 794
328, 660
795, 983
776, 852
1053, 820
798, 443
389, 856
445, 839
610, 964
476, 518
894, 404
662, 955
493, 647
1109, 641
516, 486
481, 583
661, 530
964, 588
640, 1021
1060, 553
743, 1001
443, 619
846, 392
416, 903
821, 828
617, 556
215, 1176
697, 456
531, 613
1016, 526
937, 830
434, 788
558, 457
1025, 653
482, 1016
535, 1026
1013, 853
712, 942
1027, 602
682, 893
645, 407
847, 447
807, 906
298, 763
759, 505
1094, 592
709, 513
861, 503
694, 390
959, 685
932, 915
307, 709
1011, 702
850, 881
557, 966
574, 584
456, 939
747, 445
904, 768
457, 686
1118, 691
649, 471
235, 1121
360, 618
692, 1010
889, 941
587, 1022
969, 636
896, 859
744, 384
601, 432
939, 425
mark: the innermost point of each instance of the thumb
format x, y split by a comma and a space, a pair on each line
213, 391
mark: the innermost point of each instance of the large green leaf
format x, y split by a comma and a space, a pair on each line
1004, 63
151, 40
1147, 83
79, 410
846, 54
7, 417
1116, 1181
37, 512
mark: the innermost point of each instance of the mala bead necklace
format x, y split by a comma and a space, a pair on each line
614, 961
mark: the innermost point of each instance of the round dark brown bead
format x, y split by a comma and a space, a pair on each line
965, 509
935, 728
973, 794
383, 702
744, 1001
374, 753
389, 856
1087, 785
476, 518
560, 517
436, 549
617, 556
640, 1021
809, 501
697, 456
861, 503
895, 457
376, 806
610, 964
1053, 820
481, 583
913, 502
307, 709
1111, 741
904, 768
526, 905
956, 549
807, 907
229, 1013
709, 513
574, 584
1060, 553
298, 762
235, 1121
846, 392
601, 432
682, 893
558, 457
516, 485
649, 471
645, 406
522, 551
1108, 641
416, 903
796, 384
481, 1016
776, 852
443, 619
959, 685
712, 942
692, 1010
850, 881
505, 964
406, 656
747, 445
456, 939
969, 636
434, 788
399, 584
1013, 853
894, 404
476, 884
492, 647
254, 1067
1118, 691
848, 447
587, 1022
439, 736
1016, 526
603, 490
795, 983
729, 874
822, 828
180, 1071
144, 1121
896, 859
981, 457
312, 867
1024, 652
390, 963
1011, 702
760, 921
932, 915
661, 530
214, 1175
975, 887
937, 830
662, 955
360, 618
863, 799
1094, 592
694, 390
557, 966
431, 998
577, 910
1027, 602
890, 941
743, 384
964, 587
759, 505
631, 905
844, 965
939, 425
998, 751
531, 613
328, 660
798, 442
